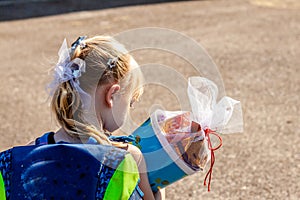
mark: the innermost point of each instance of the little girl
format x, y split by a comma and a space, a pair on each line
96, 81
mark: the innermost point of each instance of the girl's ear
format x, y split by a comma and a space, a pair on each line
109, 94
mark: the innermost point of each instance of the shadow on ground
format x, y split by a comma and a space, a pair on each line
21, 9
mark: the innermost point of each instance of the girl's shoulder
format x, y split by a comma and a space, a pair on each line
124, 142
133, 150
136, 153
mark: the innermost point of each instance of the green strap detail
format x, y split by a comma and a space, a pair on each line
2, 188
123, 181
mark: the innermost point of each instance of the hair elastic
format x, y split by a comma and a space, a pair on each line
112, 62
80, 42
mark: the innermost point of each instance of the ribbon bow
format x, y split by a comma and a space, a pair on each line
69, 70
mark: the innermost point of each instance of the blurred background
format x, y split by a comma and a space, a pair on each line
20, 9
253, 43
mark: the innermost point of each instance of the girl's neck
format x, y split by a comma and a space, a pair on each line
62, 136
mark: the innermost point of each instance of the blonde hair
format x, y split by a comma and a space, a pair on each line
66, 102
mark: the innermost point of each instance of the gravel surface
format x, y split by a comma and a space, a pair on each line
255, 45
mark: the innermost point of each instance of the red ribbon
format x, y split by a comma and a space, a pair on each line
212, 159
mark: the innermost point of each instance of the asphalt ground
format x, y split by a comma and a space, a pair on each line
255, 45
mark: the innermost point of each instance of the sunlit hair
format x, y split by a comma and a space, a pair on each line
66, 102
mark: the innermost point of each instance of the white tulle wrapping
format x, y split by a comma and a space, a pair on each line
224, 116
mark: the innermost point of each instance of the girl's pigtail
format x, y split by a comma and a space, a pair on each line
67, 104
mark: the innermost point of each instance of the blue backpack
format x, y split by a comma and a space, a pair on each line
67, 171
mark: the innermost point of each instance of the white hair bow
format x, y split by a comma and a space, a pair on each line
69, 70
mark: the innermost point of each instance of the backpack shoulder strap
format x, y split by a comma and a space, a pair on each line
5, 173
47, 138
124, 180
2, 188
